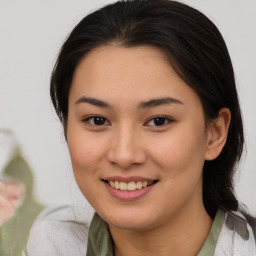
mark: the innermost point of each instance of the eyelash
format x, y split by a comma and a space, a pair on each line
87, 120
166, 120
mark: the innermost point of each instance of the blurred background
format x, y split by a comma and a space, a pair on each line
31, 34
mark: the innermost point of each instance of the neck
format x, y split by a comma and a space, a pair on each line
183, 235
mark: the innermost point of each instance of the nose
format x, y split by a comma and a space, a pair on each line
126, 148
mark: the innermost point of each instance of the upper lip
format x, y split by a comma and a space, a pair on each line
128, 179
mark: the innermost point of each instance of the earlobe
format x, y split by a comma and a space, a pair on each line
217, 133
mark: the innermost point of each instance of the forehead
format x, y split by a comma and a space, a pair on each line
127, 74
120, 62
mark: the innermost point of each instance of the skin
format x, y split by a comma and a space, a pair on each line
128, 143
11, 197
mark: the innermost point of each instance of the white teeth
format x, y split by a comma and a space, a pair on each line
117, 185
112, 183
139, 185
130, 186
144, 184
123, 185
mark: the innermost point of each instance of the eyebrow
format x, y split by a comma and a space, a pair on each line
93, 101
144, 104
159, 101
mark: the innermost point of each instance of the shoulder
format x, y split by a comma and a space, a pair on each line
57, 231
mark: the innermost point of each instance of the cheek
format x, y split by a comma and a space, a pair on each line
182, 149
84, 154
83, 151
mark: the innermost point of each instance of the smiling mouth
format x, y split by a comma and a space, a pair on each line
129, 186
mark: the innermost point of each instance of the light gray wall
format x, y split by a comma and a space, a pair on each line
31, 33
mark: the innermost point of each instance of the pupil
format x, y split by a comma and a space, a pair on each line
99, 120
159, 121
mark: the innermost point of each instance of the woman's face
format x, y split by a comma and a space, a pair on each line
132, 121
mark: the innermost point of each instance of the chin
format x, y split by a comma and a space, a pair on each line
129, 220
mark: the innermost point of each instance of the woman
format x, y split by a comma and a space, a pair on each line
146, 94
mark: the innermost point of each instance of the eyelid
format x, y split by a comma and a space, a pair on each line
169, 120
87, 118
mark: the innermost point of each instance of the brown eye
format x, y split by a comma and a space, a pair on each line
96, 120
159, 121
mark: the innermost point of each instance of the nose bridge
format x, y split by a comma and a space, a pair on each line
126, 148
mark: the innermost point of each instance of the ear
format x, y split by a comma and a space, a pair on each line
217, 132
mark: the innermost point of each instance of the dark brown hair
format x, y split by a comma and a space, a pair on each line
197, 52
